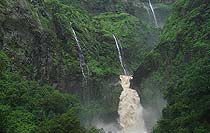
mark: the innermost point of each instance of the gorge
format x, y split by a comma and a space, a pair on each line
104, 66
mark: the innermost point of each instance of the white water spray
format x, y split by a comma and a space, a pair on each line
153, 13
81, 56
130, 109
120, 55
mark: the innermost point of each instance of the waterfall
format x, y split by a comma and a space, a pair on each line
81, 56
153, 13
130, 109
120, 55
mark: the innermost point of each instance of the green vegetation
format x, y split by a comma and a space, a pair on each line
179, 68
188, 90
28, 107
188, 100
39, 51
41, 85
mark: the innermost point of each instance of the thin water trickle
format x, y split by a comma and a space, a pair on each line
81, 56
153, 13
120, 55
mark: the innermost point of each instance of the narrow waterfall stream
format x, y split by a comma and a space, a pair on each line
82, 63
120, 55
153, 13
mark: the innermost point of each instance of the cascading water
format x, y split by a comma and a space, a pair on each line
81, 56
120, 55
130, 109
153, 13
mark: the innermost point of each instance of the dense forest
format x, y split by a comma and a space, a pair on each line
60, 62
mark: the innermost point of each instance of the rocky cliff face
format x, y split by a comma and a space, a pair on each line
38, 39
37, 36
31, 48
138, 8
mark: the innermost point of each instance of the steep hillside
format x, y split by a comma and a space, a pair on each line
38, 38
60, 52
175, 75
27, 107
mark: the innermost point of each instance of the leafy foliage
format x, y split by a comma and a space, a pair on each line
185, 69
28, 107
38, 39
